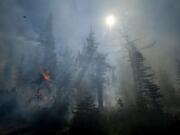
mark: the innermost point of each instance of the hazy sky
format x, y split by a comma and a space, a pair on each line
151, 19
158, 16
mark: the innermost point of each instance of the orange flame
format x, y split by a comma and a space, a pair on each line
46, 76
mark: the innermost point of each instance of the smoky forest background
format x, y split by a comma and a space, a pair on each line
63, 72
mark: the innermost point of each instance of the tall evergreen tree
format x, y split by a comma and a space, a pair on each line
85, 120
148, 92
47, 41
93, 67
46, 65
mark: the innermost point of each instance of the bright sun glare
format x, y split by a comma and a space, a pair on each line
110, 21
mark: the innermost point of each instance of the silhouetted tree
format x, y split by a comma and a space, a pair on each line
49, 61
85, 120
92, 67
148, 92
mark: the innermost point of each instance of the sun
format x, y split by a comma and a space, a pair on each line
110, 21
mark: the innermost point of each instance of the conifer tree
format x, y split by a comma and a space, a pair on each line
148, 92
92, 67
85, 120
48, 44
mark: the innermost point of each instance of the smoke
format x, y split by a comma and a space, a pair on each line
22, 22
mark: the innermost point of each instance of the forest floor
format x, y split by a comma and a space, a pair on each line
30, 129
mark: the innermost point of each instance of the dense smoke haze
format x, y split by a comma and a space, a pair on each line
107, 67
